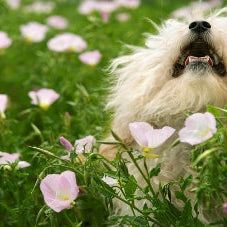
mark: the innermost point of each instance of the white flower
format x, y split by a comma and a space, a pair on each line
43, 97
57, 22
67, 42
90, 57
5, 41
85, 144
198, 128
109, 180
13, 4
33, 32
3, 104
40, 7
148, 137
123, 17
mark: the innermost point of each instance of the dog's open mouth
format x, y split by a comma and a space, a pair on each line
198, 55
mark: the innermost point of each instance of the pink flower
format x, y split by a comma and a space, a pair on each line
224, 207
64, 142
101, 6
40, 7
43, 97
67, 42
109, 180
148, 137
85, 144
57, 22
87, 7
91, 57
11, 158
184, 12
198, 128
82, 145
33, 32
123, 17
3, 104
128, 3
13, 4
5, 41
105, 16
59, 190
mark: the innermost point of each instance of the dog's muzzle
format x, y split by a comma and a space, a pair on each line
199, 54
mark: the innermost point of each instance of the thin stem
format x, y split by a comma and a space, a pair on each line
141, 172
125, 201
148, 176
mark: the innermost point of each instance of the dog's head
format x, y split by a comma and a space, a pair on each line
183, 68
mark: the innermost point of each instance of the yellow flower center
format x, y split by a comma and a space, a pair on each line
44, 106
80, 159
71, 49
28, 39
2, 115
204, 132
147, 154
63, 196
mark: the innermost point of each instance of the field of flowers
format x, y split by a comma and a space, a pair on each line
53, 85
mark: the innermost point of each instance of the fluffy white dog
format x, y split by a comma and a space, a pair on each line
182, 68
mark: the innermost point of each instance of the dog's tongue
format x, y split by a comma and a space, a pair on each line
206, 59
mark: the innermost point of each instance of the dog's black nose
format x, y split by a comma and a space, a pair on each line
199, 26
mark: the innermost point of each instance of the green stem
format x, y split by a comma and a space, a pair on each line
141, 172
128, 203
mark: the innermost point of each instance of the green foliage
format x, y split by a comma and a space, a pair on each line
34, 133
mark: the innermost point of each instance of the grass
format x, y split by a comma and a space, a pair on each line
82, 89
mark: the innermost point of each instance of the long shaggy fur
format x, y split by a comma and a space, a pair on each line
144, 90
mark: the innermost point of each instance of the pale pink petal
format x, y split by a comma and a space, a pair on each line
57, 22
40, 7
109, 180
3, 102
33, 31
198, 128
105, 16
67, 42
91, 57
123, 17
43, 97
5, 41
74, 189
6, 157
189, 136
33, 96
66, 157
138, 131
23, 164
156, 137
13, 4
85, 144
128, 3
64, 142
211, 121
224, 208
59, 190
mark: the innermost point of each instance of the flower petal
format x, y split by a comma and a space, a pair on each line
139, 130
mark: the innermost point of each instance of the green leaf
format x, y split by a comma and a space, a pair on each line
155, 171
130, 187
214, 110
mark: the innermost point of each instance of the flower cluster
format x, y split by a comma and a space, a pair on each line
81, 145
198, 128
6, 158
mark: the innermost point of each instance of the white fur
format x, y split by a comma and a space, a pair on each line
144, 90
